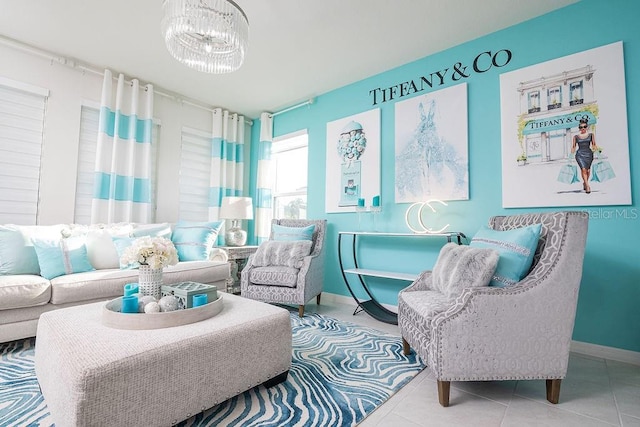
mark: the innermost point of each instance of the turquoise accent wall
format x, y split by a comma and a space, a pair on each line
609, 297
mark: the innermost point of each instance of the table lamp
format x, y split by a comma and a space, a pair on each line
236, 209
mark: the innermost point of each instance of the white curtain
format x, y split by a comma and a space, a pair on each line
263, 199
227, 159
122, 185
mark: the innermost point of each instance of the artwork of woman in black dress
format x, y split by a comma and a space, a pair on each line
583, 145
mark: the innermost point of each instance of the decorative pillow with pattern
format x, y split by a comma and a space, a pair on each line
284, 233
516, 248
57, 257
194, 240
459, 267
282, 253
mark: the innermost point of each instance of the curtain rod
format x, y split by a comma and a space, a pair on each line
293, 107
85, 66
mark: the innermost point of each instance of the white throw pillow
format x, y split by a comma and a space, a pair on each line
459, 267
282, 253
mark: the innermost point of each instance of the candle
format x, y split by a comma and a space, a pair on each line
376, 201
130, 289
130, 304
199, 299
361, 203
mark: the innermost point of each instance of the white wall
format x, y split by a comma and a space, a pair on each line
69, 88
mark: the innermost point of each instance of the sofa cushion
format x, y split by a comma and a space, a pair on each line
459, 267
274, 276
61, 256
152, 230
101, 250
284, 253
109, 283
17, 254
23, 290
194, 240
284, 233
516, 248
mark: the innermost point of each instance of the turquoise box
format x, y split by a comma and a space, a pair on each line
186, 290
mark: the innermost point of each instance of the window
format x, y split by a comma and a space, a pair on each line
576, 93
195, 175
534, 102
22, 113
554, 97
289, 161
89, 123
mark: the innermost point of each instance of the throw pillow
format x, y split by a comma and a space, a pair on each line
61, 256
516, 248
459, 267
283, 233
194, 240
152, 230
121, 244
282, 253
17, 255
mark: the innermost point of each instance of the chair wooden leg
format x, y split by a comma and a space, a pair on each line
553, 391
301, 310
318, 299
444, 387
406, 348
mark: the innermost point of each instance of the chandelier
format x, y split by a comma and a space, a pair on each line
208, 35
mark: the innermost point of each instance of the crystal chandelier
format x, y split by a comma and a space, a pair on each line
208, 35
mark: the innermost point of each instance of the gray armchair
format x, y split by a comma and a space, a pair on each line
285, 285
521, 332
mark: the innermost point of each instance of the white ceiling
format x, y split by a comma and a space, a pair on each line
298, 48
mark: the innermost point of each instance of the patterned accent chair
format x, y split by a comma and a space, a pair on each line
287, 285
520, 332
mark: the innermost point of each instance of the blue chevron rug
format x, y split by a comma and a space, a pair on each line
340, 373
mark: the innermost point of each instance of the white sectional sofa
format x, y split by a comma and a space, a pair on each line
25, 294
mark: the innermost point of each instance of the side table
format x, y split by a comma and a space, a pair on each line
238, 256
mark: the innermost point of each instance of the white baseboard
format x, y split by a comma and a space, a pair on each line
604, 352
593, 350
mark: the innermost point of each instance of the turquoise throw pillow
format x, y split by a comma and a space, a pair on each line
283, 233
61, 256
17, 255
194, 240
121, 244
516, 248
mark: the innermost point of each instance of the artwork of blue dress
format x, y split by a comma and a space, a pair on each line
428, 165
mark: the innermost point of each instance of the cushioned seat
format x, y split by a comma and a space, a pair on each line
275, 276
23, 290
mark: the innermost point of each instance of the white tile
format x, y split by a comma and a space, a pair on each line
391, 420
628, 421
524, 412
624, 372
588, 369
588, 398
499, 391
423, 408
628, 398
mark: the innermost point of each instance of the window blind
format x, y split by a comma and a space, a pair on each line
195, 175
22, 115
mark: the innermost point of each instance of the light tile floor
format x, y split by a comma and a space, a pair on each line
596, 392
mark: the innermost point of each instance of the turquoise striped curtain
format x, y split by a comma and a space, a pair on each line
227, 159
263, 200
122, 186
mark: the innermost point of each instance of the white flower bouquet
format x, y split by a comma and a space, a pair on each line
156, 252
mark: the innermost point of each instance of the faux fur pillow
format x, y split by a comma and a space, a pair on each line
283, 253
459, 267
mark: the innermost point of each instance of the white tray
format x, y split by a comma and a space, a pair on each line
113, 318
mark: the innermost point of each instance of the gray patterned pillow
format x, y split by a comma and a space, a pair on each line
459, 267
284, 253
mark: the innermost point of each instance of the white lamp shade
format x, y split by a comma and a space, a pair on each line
236, 208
